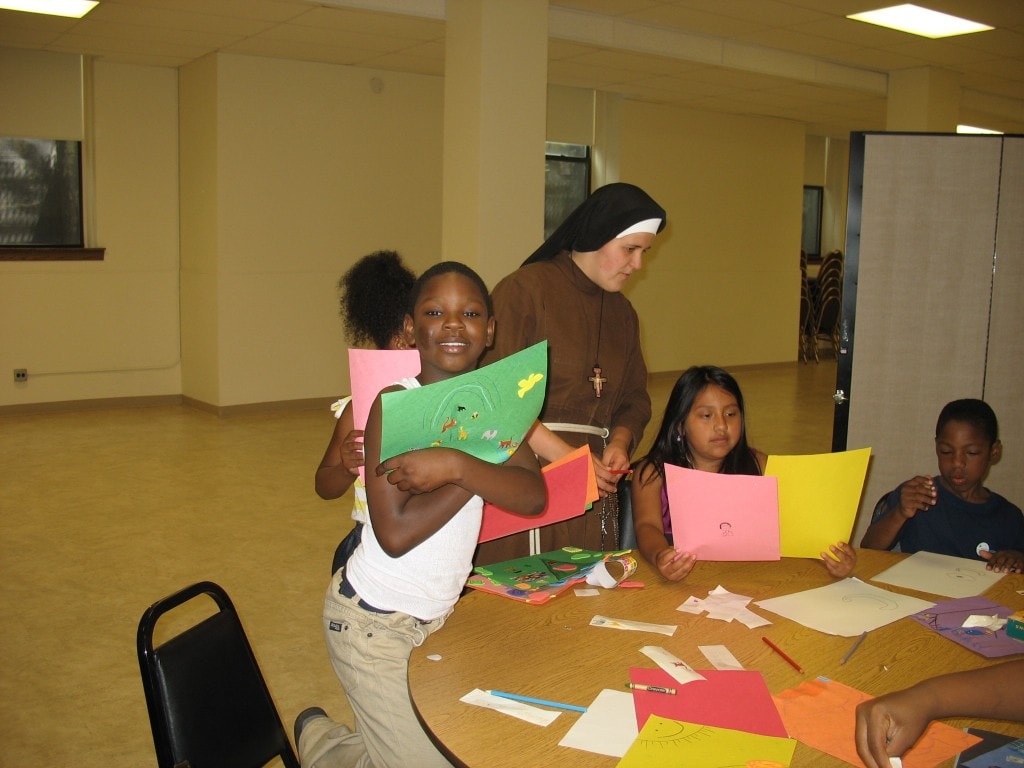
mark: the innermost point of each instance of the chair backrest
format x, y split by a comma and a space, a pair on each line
831, 268
209, 705
829, 307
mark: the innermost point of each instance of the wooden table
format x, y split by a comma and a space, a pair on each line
550, 651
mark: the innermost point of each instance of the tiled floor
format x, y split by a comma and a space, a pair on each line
102, 512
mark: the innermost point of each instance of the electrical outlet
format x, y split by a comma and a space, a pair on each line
21, 374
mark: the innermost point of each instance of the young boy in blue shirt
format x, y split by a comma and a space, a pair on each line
953, 513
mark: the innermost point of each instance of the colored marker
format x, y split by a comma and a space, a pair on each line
542, 702
782, 653
651, 688
854, 647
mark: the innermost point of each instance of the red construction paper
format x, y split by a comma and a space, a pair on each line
567, 497
735, 699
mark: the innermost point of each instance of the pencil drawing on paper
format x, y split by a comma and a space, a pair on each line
881, 603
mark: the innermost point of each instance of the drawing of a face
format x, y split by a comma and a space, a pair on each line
725, 528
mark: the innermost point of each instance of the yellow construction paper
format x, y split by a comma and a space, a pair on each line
664, 743
818, 498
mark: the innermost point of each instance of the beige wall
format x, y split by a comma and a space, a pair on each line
722, 283
312, 169
87, 330
290, 171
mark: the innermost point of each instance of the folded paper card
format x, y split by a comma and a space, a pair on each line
370, 371
723, 517
567, 497
818, 498
536, 578
486, 412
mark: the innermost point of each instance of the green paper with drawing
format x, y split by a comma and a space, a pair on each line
486, 412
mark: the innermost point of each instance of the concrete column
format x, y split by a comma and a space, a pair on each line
923, 99
495, 92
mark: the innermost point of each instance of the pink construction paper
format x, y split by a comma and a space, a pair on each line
736, 699
370, 371
723, 517
567, 497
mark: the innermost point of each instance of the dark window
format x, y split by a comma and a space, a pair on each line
566, 182
810, 243
40, 193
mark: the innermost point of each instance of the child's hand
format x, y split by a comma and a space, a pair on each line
1006, 560
673, 565
917, 495
842, 567
421, 471
889, 725
352, 451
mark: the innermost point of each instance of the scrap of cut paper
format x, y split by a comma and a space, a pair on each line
723, 605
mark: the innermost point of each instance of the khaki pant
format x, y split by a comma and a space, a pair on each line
370, 654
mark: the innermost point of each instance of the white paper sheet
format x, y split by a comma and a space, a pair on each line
608, 727
636, 626
846, 608
725, 606
675, 666
940, 575
720, 657
523, 711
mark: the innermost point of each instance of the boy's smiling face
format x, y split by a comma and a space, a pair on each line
451, 326
965, 455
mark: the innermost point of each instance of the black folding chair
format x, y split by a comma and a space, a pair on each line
209, 706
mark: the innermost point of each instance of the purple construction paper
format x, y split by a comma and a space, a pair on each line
947, 618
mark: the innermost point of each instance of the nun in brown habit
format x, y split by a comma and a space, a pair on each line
569, 291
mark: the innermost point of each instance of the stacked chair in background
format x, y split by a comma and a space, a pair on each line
820, 307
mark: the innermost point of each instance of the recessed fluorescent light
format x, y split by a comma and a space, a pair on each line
919, 21
975, 129
76, 9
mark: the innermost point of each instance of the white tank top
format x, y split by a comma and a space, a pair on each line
427, 580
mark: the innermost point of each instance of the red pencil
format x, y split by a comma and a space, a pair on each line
781, 653
620, 471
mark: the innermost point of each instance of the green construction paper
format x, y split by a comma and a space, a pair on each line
536, 578
485, 413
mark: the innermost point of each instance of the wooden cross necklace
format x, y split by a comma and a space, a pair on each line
597, 379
